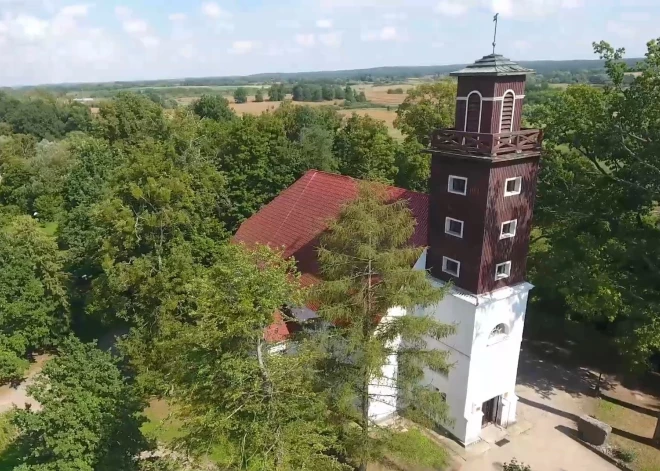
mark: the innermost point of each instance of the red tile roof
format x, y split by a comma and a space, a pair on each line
295, 219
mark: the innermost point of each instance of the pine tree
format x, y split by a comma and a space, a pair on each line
367, 268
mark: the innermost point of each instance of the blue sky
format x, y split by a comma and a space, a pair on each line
46, 41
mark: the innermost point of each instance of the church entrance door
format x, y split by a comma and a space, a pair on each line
491, 410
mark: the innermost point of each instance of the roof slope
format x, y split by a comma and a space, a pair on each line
296, 218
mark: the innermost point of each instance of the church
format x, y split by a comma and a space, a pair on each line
474, 226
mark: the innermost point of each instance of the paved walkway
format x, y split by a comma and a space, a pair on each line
551, 397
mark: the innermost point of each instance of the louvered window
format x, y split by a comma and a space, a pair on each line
506, 125
473, 113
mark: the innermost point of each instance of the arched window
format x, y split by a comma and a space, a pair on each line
508, 110
473, 112
498, 334
499, 330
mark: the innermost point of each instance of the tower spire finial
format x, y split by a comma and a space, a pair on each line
495, 18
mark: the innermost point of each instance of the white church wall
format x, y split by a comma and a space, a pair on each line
383, 391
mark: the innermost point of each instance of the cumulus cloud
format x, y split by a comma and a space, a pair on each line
324, 24
243, 47
387, 33
135, 26
305, 40
213, 10
451, 8
332, 39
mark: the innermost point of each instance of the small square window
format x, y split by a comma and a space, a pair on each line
512, 186
502, 270
508, 229
454, 227
451, 266
457, 185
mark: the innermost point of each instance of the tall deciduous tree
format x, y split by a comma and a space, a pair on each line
598, 192
89, 418
367, 268
426, 108
241, 95
130, 117
365, 149
33, 303
232, 387
213, 107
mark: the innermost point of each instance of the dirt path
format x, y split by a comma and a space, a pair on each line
17, 396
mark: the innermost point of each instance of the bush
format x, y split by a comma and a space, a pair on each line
395, 91
627, 456
12, 366
515, 466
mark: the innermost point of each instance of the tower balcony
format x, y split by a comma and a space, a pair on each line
485, 144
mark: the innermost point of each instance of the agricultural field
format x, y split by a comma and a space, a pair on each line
379, 96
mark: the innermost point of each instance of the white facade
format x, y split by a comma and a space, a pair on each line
484, 354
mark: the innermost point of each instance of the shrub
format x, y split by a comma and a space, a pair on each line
515, 466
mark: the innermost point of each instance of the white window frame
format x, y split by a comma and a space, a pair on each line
448, 222
515, 192
444, 266
508, 235
449, 185
501, 276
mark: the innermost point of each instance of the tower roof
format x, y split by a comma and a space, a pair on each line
492, 65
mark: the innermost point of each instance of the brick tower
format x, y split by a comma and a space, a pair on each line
482, 189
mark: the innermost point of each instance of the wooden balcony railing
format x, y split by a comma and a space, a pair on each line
493, 145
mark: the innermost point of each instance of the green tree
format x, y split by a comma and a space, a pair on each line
339, 93
427, 107
277, 92
258, 160
328, 92
598, 192
160, 218
414, 166
241, 95
37, 117
365, 149
89, 420
349, 94
213, 107
367, 268
316, 144
298, 92
317, 93
361, 97
259, 96
259, 404
130, 117
33, 303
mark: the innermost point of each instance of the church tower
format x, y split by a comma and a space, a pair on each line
482, 190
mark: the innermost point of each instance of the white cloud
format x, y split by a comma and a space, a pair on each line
395, 16
177, 16
213, 10
135, 26
388, 33
243, 47
437, 44
621, 29
123, 11
31, 27
75, 10
305, 40
454, 8
324, 24
331, 39
149, 41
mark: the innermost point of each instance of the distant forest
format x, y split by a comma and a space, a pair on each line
553, 71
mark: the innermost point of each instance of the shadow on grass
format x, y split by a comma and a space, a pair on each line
10, 457
631, 406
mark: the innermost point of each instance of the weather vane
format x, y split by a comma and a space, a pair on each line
495, 35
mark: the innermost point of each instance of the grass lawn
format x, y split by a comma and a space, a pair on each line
646, 458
